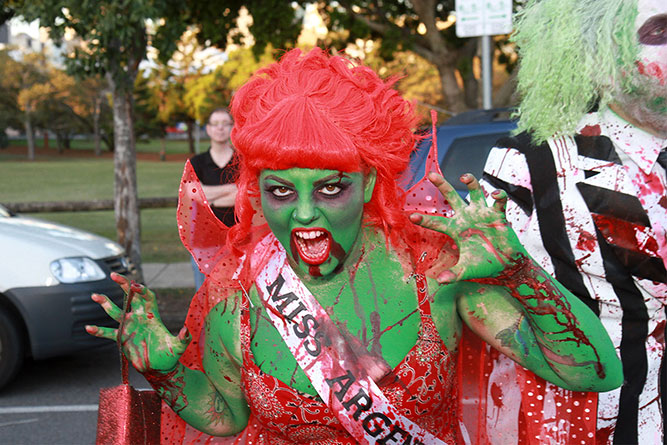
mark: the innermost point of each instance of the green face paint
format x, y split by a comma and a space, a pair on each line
315, 214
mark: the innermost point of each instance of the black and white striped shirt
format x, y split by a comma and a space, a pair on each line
592, 210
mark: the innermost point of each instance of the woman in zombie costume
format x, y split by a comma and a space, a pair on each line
588, 195
339, 320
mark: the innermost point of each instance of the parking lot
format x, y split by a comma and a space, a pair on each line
55, 401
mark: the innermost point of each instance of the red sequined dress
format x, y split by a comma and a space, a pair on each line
424, 390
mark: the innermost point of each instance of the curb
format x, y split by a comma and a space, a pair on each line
168, 275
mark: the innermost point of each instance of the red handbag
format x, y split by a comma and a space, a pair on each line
127, 416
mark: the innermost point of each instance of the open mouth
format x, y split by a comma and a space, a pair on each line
313, 245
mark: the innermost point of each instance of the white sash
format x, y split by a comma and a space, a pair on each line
321, 352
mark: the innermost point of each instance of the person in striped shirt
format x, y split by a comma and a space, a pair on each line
586, 179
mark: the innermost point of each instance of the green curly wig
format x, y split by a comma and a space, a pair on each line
574, 54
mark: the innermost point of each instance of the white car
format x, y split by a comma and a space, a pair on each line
47, 273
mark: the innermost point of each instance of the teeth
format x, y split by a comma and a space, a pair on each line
309, 235
313, 245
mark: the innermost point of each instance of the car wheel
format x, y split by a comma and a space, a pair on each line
11, 347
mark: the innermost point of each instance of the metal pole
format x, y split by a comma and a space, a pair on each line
487, 73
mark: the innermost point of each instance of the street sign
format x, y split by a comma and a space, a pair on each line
483, 17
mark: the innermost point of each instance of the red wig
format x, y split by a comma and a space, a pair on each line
322, 112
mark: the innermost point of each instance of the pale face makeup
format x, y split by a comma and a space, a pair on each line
651, 26
643, 98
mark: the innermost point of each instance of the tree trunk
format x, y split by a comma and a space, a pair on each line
29, 134
506, 96
466, 62
191, 139
451, 90
436, 51
59, 142
108, 140
126, 204
96, 125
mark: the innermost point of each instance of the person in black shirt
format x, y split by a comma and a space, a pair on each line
216, 170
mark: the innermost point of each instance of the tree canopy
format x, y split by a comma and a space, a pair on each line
425, 27
113, 36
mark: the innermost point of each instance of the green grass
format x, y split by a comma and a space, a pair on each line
81, 179
78, 180
171, 146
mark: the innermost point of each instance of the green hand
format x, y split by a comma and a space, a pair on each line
145, 340
487, 244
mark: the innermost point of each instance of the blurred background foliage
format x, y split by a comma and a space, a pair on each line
180, 80
139, 77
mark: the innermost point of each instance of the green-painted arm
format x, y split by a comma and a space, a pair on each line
513, 304
210, 401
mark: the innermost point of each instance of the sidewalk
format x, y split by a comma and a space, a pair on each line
163, 275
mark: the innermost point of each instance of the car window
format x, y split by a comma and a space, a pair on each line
467, 155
